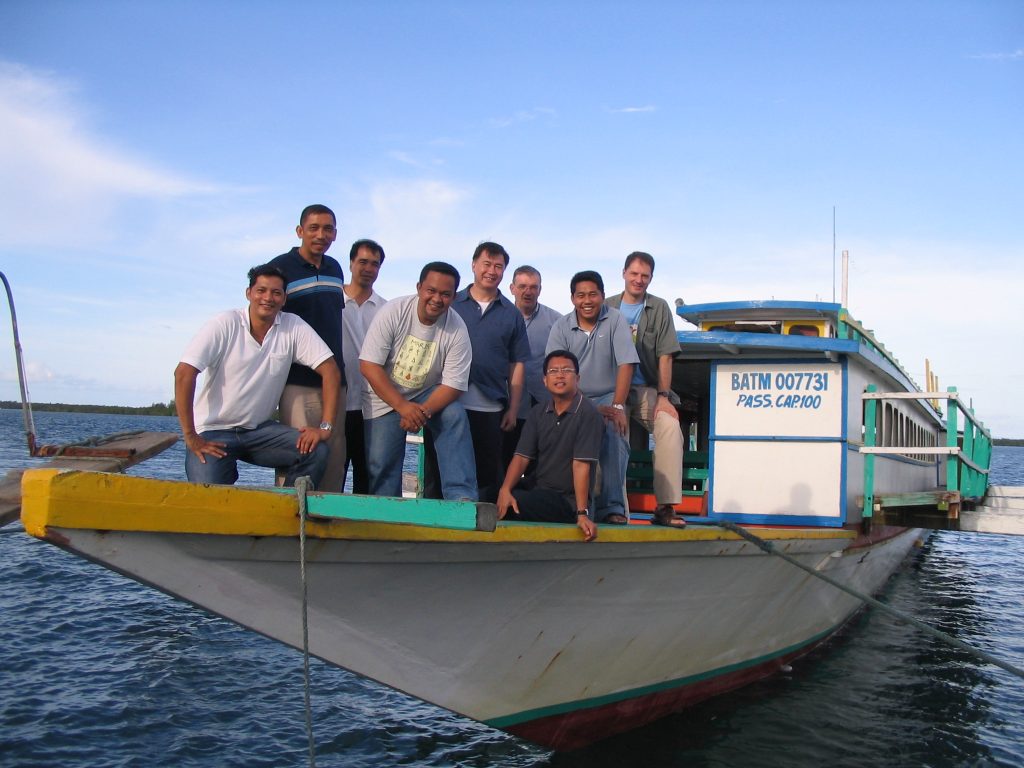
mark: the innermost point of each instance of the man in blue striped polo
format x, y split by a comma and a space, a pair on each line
316, 294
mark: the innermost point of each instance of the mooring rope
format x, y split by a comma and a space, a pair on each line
949, 639
301, 489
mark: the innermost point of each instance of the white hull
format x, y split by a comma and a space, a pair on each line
509, 633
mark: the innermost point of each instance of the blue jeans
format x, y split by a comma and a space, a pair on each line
271, 444
613, 460
385, 451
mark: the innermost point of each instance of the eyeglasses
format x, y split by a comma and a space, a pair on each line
554, 371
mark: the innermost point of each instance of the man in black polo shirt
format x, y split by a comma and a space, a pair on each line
315, 293
563, 437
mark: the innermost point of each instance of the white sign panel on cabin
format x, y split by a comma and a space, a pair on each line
793, 480
778, 399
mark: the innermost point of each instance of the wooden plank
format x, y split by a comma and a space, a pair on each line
129, 449
937, 498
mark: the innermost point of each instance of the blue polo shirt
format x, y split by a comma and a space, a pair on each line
317, 297
499, 339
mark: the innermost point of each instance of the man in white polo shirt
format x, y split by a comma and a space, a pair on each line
246, 355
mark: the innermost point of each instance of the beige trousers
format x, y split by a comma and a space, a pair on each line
304, 407
668, 444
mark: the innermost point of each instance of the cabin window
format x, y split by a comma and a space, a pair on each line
804, 330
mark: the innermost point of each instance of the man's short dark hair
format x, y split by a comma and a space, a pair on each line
371, 245
444, 268
526, 269
492, 248
646, 258
266, 270
586, 276
561, 353
309, 210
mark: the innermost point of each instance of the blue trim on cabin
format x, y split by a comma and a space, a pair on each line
769, 341
803, 521
844, 433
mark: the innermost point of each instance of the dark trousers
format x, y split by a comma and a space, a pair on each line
508, 446
541, 506
485, 428
356, 456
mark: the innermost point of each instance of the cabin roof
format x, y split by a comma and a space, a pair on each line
758, 310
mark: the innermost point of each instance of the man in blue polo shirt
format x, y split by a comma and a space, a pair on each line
599, 336
500, 350
316, 294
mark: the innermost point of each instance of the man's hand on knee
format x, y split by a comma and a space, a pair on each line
202, 448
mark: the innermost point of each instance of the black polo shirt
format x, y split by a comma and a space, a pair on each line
552, 442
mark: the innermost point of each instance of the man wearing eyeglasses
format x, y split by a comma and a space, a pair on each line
651, 399
562, 439
599, 337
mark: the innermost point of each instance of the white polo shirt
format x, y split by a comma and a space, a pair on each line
243, 379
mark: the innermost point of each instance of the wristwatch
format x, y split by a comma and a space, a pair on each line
618, 406
583, 512
326, 425
664, 393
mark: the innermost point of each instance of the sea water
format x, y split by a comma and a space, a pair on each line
98, 670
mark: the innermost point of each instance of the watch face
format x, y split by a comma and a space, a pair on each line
325, 425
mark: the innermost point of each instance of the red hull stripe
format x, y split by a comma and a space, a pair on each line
576, 724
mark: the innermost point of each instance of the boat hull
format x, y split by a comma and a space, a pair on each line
526, 629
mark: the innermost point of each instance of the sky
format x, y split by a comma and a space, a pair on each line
150, 153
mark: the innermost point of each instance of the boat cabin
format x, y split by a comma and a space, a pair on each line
795, 414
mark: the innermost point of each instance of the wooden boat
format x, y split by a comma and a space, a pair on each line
522, 626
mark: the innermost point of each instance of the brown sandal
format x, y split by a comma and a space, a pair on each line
666, 516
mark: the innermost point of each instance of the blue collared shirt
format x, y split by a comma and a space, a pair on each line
499, 339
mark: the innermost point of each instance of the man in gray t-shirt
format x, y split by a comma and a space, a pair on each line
416, 359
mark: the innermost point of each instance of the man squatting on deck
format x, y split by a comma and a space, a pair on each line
500, 348
562, 438
651, 399
416, 359
315, 294
599, 337
361, 305
245, 354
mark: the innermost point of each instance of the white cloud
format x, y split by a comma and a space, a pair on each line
407, 158
522, 116
49, 161
1017, 54
632, 110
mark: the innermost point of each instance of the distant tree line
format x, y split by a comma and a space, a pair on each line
1007, 441
156, 409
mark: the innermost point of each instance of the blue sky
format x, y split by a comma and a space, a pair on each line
151, 152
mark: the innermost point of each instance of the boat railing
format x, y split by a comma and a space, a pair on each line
968, 449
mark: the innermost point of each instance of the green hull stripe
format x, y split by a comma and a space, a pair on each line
571, 706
